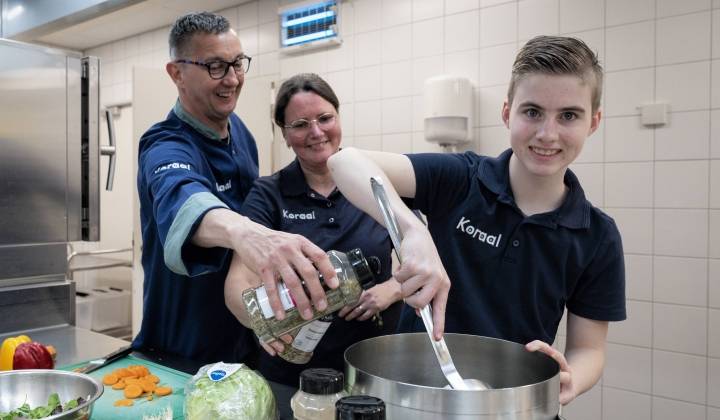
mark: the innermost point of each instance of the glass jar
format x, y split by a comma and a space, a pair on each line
360, 407
305, 339
319, 390
354, 274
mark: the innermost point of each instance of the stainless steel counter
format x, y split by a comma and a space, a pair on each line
73, 344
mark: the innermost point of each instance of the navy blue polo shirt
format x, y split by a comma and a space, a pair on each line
185, 170
511, 275
285, 202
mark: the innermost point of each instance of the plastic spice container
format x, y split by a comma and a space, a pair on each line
354, 274
360, 407
319, 390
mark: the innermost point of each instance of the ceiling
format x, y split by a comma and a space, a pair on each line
131, 20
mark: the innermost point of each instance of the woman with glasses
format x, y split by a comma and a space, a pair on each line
302, 198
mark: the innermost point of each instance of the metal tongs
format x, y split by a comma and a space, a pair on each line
441, 351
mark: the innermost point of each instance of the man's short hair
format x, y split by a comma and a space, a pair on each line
190, 24
560, 56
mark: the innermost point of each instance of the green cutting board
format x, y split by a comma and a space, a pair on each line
105, 410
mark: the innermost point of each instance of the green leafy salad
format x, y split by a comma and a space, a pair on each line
53, 407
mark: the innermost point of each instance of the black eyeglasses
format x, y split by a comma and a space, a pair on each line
218, 69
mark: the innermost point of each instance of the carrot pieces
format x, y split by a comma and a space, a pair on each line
136, 382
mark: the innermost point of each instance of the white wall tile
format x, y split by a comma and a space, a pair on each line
715, 184
715, 83
636, 228
538, 17
247, 15
715, 34
462, 31
665, 409
639, 277
427, 37
366, 15
464, 64
347, 119
268, 37
684, 86
418, 123
347, 19
395, 80
455, 6
499, 24
249, 40
581, 15
625, 11
625, 405
683, 38
426, 9
420, 145
714, 234
490, 3
588, 406
160, 38
132, 46
397, 43
492, 141
342, 57
268, 11
714, 283
368, 48
628, 368
590, 176
626, 90
715, 135
368, 119
368, 83
630, 46
496, 64
627, 140
674, 7
489, 106
680, 280
368, 142
680, 328
636, 330
686, 136
267, 64
629, 184
713, 413
679, 376
594, 148
714, 333
714, 383
397, 143
422, 69
396, 117
343, 83
681, 184
681, 233
396, 12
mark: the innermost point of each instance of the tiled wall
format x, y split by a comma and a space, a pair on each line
661, 185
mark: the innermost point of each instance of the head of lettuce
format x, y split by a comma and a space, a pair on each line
225, 391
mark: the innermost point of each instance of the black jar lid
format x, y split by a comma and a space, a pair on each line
321, 381
360, 407
362, 267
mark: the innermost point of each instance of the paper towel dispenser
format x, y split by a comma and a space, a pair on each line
448, 110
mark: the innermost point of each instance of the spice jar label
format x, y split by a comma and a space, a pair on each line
264, 303
309, 335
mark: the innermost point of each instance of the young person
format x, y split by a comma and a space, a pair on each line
519, 240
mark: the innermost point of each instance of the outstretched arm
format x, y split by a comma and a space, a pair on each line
269, 254
422, 276
582, 364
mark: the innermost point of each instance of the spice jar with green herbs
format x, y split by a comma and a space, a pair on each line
354, 274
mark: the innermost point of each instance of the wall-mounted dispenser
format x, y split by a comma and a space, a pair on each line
448, 110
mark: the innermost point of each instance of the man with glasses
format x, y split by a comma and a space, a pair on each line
194, 171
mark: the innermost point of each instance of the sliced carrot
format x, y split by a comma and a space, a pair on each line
133, 391
123, 403
153, 378
163, 390
147, 386
110, 379
118, 385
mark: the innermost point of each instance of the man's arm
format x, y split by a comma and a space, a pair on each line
422, 276
582, 364
270, 254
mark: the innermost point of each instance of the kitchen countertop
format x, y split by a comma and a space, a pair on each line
75, 345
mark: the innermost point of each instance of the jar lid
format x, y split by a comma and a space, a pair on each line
360, 407
321, 381
362, 268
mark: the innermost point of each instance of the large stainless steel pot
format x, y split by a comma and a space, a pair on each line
402, 370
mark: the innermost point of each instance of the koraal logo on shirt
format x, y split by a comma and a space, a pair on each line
224, 187
302, 216
464, 225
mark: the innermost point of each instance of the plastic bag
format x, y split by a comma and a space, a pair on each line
224, 391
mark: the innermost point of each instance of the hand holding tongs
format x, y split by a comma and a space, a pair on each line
441, 351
